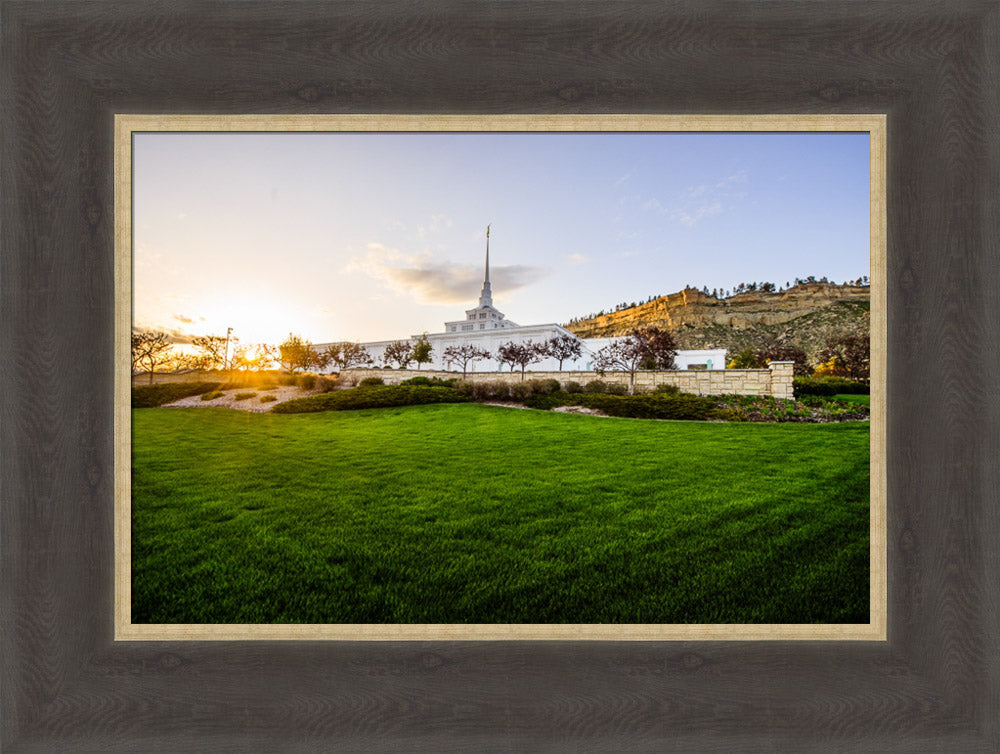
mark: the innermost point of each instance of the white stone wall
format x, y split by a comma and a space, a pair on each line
776, 380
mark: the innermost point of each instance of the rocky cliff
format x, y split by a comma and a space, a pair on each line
805, 315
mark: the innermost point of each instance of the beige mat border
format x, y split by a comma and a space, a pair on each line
127, 124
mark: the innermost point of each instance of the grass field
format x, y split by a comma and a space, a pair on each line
468, 513
865, 399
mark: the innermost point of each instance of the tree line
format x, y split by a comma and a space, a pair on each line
152, 350
646, 348
642, 348
843, 356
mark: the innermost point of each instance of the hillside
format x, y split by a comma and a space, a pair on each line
805, 315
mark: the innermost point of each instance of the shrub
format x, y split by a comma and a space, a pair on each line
828, 386
654, 406
288, 380
244, 396
608, 388
543, 387
464, 387
371, 381
376, 396
326, 384
550, 401
813, 401
431, 381
268, 398
150, 396
306, 381
666, 390
211, 396
649, 406
574, 387
490, 390
521, 390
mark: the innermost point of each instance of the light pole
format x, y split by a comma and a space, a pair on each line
225, 360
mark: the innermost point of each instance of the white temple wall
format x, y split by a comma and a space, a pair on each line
492, 340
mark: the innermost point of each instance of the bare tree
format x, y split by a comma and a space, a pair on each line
648, 347
465, 355
620, 355
148, 350
345, 355
563, 347
659, 345
213, 348
520, 354
399, 351
320, 360
254, 358
267, 356
507, 355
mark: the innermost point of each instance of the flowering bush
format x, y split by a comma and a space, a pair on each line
764, 408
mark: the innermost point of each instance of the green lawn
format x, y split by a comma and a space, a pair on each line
467, 513
865, 399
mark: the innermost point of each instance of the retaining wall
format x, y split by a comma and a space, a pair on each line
776, 380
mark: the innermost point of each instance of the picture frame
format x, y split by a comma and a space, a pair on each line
126, 126
69, 69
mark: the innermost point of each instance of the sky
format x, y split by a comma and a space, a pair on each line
378, 236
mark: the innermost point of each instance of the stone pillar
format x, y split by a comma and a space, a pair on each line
781, 379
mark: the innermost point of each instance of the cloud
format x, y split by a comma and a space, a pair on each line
431, 281
691, 216
739, 176
621, 181
456, 284
182, 318
436, 223
695, 203
173, 335
575, 258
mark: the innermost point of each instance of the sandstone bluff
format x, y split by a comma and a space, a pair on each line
805, 315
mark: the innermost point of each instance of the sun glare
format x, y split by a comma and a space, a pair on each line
254, 320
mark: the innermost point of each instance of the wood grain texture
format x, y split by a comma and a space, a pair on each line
67, 68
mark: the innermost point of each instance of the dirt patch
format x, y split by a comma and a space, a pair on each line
253, 403
579, 410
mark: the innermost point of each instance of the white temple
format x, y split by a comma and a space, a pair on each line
486, 327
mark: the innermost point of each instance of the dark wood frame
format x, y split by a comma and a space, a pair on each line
69, 66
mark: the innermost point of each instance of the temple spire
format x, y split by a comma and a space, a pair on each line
486, 297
